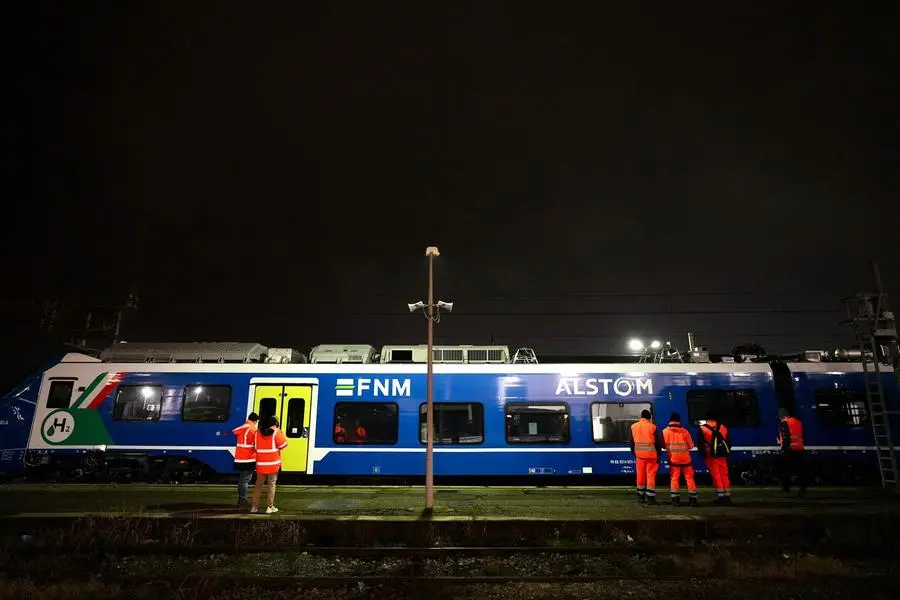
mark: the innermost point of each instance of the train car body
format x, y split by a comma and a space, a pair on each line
492, 421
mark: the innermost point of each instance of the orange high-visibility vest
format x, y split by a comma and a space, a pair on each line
678, 443
245, 449
268, 451
795, 428
708, 435
644, 434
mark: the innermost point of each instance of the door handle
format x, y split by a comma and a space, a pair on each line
306, 432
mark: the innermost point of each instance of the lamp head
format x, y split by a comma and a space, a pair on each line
416, 306
432, 251
448, 306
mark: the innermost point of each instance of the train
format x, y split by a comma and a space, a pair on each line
164, 412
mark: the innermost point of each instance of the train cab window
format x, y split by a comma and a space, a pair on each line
841, 408
138, 403
296, 408
611, 421
206, 403
736, 408
537, 423
454, 423
366, 423
60, 394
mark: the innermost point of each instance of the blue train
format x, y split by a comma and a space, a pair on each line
167, 411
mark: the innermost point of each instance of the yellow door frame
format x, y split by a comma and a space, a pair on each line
277, 396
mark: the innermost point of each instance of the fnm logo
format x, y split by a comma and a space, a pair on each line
383, 387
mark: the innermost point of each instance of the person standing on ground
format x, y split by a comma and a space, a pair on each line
793, 452
714, 445
678, 443
245, 455
270, 441
646, 445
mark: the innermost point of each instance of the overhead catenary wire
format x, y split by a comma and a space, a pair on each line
601, 313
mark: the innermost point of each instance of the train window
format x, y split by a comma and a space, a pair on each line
60, 394
295, 411
736, 408
366, 423
267, 408
611, 421
454, 423
138, 403
206, 403
841, 408
537, 423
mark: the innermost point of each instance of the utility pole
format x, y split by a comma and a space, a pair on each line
432, 314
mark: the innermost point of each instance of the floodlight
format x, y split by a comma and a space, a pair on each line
655, 345
635, 345
432, 251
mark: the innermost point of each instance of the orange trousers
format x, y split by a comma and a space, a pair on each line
718, 469
646, 475
675, 482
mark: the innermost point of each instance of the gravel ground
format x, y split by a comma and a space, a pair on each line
884, 589
300, 564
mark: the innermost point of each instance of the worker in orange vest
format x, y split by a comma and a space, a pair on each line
340, 435
646, 445
245, 455
360, 432
270, 441
678, 443
714, 445
793, 452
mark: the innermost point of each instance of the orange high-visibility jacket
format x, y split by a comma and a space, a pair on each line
644, 439
245, 448
706, 443
268, 451
678, 443
790, 437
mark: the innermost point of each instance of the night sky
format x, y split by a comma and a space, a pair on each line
270, 175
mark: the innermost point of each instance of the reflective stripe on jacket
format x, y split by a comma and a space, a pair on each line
268, 451
678, 443
644, 439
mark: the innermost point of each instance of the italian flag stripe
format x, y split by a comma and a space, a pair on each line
110, 385
90, 389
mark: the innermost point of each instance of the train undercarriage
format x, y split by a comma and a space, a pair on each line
141, 467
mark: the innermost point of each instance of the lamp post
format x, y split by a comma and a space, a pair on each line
432, 315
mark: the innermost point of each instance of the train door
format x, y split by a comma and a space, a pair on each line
290, 404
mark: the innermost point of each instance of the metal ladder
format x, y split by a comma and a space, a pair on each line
876, 333
879, 415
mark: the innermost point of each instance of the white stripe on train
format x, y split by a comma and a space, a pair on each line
437, 449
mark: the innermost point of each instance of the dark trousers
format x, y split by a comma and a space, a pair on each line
244, 478
793, 463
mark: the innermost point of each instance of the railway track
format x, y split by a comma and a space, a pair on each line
412, 580
440, 552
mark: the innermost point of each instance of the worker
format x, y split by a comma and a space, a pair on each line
647, 446
245, 455
340, 435
270, 441
714, 446
678, 444
793, 452
360, 432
